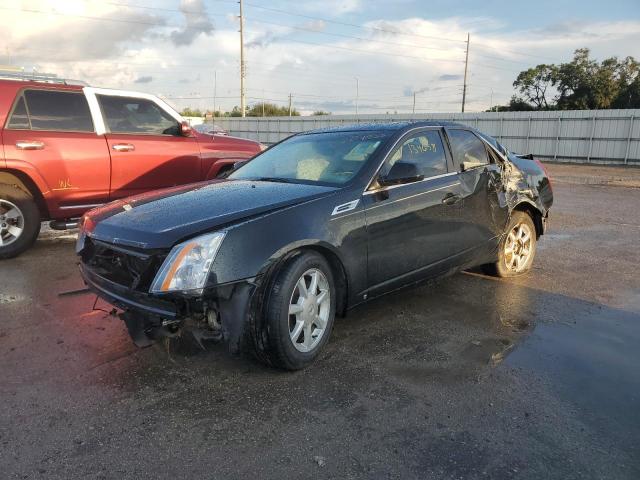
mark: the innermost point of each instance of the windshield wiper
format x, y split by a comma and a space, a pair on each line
273, 179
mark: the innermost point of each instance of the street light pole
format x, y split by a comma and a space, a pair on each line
215, 88
357, 93
243, 100
466, 67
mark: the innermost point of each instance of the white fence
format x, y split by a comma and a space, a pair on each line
581, 136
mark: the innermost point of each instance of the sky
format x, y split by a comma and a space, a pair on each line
330, 55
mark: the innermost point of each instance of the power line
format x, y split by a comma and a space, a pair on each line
337, 22
85, 17
319, 32
372, 53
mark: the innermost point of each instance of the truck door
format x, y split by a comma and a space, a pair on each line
50, 135
147, 149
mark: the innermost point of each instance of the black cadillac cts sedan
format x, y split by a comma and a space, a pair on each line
315, 225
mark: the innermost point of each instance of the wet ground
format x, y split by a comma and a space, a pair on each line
471, 378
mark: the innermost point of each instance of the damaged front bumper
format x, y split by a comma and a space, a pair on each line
220, 313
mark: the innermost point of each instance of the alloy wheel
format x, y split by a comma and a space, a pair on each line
309, 310
518, 247
11, 223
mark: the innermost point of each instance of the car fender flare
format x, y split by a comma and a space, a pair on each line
331, 253
214, 170
525, 204
30, 182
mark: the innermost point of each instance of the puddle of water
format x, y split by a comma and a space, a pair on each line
10, 298
593, 365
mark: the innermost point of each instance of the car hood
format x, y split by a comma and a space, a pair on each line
162, 218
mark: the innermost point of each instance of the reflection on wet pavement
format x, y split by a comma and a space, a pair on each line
471, 377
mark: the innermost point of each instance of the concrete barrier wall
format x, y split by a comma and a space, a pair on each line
582, 136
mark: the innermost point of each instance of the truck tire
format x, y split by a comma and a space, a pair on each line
19, 221
299, 312
517, 248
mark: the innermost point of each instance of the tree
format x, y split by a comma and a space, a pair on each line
581, 84
189, 112
270, 110
318, 113
629, 78
535, 85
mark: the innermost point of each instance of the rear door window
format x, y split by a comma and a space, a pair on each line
136, 116
53, 111
19, 118
466, 147
425, 150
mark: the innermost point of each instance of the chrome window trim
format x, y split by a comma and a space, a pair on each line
73, 207
391, 187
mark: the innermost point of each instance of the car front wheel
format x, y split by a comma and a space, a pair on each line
300, 312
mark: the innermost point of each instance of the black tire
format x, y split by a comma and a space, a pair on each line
276, 347
30, 220
224, 172
502, 268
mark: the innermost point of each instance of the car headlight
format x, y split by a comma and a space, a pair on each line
186, 269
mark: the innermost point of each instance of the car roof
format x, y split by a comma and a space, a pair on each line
20, 83
386, 126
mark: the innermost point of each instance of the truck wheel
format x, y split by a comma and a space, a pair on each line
224, 172
19, 221
517, 248
299, 312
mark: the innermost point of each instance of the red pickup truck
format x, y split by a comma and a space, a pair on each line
67, 148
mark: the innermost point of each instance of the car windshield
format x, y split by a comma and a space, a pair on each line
331, 158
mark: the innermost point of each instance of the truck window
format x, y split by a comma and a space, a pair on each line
136, 116
19, 119
52, 110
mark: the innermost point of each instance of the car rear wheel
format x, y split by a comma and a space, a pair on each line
517, 248
19, 221
300, 312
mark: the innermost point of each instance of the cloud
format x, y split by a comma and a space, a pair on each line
315, 25
197, 22
121, 54
333, 7
447, 77
81, 34
144, 79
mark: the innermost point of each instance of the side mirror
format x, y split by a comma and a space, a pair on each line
401, 172
470, 165
239, 164
185, 129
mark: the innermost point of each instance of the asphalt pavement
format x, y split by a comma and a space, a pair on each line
473, 377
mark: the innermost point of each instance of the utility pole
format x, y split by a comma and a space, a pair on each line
243, 100
289, 104
357, 93
215, 88
414, 103
263, 102
466, 68
491, 102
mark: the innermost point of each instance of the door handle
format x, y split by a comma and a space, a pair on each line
123, 147
34, 145
451, 198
